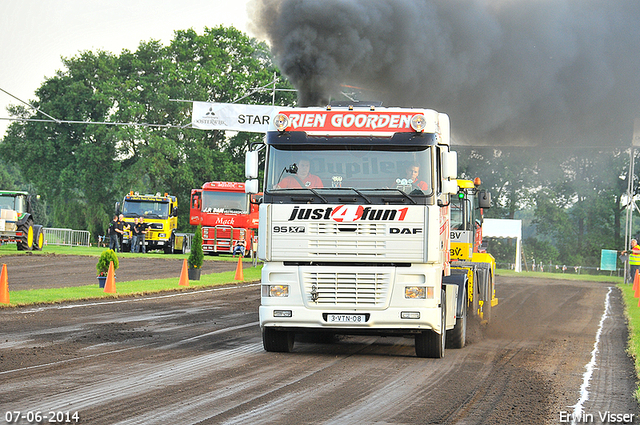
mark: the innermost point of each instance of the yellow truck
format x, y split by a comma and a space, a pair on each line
469, 260
160, 214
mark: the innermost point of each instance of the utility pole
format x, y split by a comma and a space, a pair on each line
631, 203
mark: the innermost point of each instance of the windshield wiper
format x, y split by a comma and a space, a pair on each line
315, 192
413, 201
359, 193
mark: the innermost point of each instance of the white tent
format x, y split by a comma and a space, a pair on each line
496, 228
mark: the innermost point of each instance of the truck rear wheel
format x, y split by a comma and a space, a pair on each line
26, 242
278, 341
457, 337
430, 344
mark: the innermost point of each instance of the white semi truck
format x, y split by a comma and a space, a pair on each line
354, 226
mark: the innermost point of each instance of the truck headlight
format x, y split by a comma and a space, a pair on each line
275, 290
418, 292
162, 235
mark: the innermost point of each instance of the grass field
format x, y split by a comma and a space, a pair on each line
632, 312
138, 287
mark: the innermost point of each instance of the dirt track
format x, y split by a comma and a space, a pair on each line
197, 357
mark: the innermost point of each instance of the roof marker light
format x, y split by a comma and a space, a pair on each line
281, 122
418, 123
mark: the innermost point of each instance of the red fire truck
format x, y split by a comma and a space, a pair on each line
227, 215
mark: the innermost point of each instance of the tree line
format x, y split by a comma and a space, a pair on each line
572, 199
81, 170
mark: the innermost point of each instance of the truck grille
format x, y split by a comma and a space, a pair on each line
332, 228
346, 289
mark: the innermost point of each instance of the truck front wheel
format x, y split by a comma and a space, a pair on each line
456, 338
278, 341
430, 344
171, 243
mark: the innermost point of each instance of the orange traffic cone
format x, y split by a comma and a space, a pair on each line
110, 284
239, 274
636, 285
184, 276
4, 286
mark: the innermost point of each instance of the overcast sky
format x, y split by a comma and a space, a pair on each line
36, 34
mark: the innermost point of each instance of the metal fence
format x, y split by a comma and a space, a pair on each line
67, 237
564, 269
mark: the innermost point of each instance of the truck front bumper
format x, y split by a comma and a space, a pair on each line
396, 321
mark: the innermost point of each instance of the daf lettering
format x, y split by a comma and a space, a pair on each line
405, 231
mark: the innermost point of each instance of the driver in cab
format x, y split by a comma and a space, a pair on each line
301, 178
413, 178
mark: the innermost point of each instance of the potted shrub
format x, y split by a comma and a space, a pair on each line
196, 257
102, 267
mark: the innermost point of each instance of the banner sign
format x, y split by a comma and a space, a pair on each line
608, 259
231, 116
350, 121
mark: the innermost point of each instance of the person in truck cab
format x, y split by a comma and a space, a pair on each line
413, 174
412, 180
302, 178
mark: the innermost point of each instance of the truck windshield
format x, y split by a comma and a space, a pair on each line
360, 167
462, 217
11, 202
151, 209
225, 202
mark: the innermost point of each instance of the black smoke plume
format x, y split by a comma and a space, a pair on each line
531, 72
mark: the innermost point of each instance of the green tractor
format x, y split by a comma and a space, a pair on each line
16, 221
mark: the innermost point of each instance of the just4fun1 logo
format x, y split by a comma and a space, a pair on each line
349, 213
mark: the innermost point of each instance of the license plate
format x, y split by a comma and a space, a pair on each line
346, 318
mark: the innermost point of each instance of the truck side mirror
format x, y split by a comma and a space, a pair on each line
251, 186
450, 165
251, 165
484, 199
450, 187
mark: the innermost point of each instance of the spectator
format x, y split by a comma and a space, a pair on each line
634, 259
135, 236
113, 231
238, 248
123, 227
141, 235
